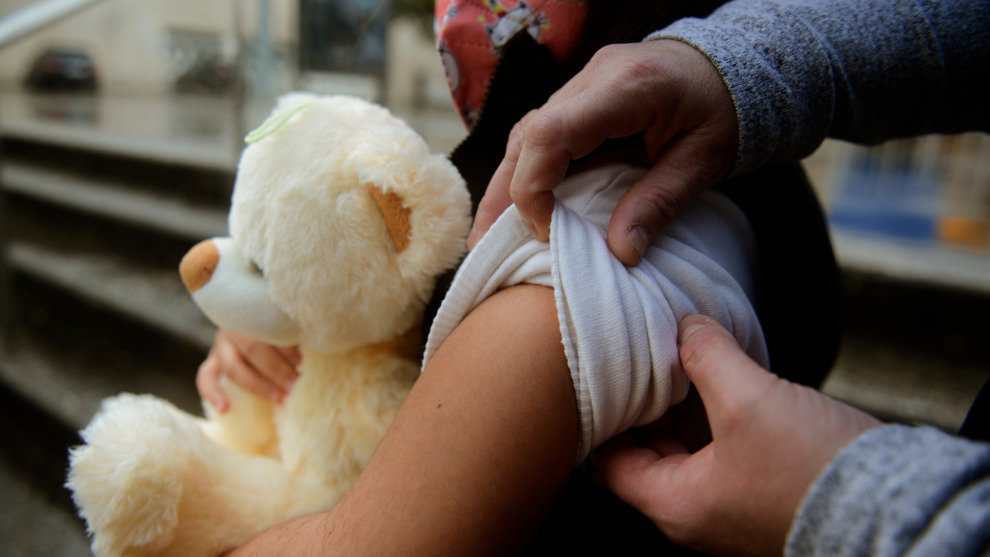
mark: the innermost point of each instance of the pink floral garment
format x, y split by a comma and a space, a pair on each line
472, 33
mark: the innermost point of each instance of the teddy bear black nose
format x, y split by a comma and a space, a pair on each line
198, 264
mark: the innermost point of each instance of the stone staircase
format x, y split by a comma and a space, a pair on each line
94, 220
94, 224
107, 232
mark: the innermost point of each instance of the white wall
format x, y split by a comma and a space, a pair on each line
128, 39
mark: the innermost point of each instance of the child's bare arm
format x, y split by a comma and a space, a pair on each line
477, 454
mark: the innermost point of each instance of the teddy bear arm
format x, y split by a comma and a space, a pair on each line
248, 424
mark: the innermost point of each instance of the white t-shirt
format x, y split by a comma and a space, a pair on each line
618, 324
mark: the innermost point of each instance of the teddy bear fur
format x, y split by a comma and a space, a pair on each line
340, 221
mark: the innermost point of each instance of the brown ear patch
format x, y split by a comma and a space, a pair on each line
396, 217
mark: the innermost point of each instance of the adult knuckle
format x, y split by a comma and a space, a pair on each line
609, 55
520, 195
517, 133
543, 130
719, 153
638, 70
602, 56
487, 213
662, 204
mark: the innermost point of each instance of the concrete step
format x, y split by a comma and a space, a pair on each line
201, 132
39, 517
153, 297
100, 201
912, 352
157, 210
895, 385
68, 383
922, 263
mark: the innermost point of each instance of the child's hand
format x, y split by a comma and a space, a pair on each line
770, 439
665, 89
265, 370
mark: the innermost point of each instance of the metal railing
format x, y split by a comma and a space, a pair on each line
37, 16
15, 26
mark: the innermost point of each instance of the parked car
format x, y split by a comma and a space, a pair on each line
59, 70
208, 76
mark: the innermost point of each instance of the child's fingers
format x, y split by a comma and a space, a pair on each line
291, 355
273, 364
240, 371
208, 385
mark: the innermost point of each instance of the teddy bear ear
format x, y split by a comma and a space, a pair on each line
396, 216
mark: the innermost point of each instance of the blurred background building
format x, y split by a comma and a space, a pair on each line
120, 125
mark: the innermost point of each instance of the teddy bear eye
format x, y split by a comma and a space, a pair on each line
254, 267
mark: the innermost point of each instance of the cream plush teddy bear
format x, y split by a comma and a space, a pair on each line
340, 221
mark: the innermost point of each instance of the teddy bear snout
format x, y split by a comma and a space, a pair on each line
198, 264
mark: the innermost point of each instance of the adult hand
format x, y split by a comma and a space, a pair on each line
665, 89
770, 439
265, 370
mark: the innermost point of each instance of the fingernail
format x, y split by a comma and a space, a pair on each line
639, 239
275, 396
691, 325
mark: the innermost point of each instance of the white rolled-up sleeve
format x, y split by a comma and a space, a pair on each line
618, 324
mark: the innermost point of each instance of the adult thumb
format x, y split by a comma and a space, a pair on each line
726, 378
686, 167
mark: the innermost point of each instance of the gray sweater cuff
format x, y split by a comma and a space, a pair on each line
861, 70
898, 490
776, 122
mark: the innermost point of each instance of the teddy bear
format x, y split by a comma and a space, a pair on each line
341, 219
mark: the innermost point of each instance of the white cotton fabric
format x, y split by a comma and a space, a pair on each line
618, 324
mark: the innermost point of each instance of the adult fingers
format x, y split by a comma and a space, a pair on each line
626, 467
642, 477
559, 133
208, 385
667, 447
728, 381
496, 199
685, 168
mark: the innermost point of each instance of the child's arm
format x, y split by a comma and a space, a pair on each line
477, 454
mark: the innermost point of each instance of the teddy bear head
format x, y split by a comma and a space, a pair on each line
340, 221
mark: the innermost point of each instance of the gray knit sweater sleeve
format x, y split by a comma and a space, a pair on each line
898, 490
862, 70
